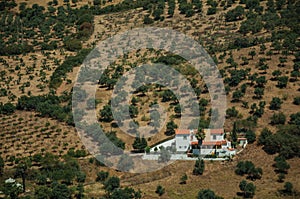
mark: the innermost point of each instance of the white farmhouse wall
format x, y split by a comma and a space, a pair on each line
182, 142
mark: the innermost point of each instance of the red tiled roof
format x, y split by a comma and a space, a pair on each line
242, 138
215, 142
183, 131
217, 131
194, 143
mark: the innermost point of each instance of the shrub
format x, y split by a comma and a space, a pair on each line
102, 176
199, 167
278, 118
160, 190
73, 44
251, 136
248, 189
281, 165
265, 133
111, 184
296, 101
288, 188
207, 194
275, 104
248, 168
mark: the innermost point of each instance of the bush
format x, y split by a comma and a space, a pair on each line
281, 165
275, 104
285, 142
199, 167
278, 118
73, 44
288, 188
235, 14
7, 108
102, 176
160, 190
148, 20
295, 119
251, 136
296, 101
211, 10
111, 184
282, 81
183, 179
248, 168
248, 189
265, 133
232, 112
207, 194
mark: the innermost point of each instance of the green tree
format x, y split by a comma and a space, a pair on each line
97, 2
275, 104
248, 189
251, 136
106, 113
22, 171
295, 119
111, 184
1, 166
288, 188
236, 96
252, 53
102, 176
160, 190
140, 143
133, 111
183, 179
177, 110
126, 193
235, 14
199, 167
265, 133
79, 191
281, 177
259, 92
60, 191
207, 194
73, 44
261, 81
42, 192
252, 4
296, 101
278, 118
148, 20
234, 136
281, 165
171, 126
276, 74
282, 81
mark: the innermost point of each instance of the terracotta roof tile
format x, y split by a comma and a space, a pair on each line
217, 131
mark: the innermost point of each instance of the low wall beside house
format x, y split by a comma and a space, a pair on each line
164, 144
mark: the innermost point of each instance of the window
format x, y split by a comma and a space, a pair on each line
185, 137
180, 147
185, 147
214, 137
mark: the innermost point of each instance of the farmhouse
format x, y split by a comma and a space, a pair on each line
214, 141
